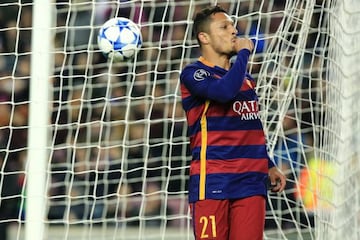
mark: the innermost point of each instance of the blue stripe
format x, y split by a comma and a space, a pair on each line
226, 124
191, 102
232, 123
246, 95
232, 152
229, 186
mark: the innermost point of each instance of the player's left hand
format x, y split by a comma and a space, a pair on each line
277, 180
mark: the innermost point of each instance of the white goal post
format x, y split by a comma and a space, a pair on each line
93, 149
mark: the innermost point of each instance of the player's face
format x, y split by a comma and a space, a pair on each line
222, 33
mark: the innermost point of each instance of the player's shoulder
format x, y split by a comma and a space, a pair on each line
192, 66
195, 71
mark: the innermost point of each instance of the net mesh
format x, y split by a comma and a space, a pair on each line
118, 149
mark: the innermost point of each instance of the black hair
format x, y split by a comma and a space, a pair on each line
202, 18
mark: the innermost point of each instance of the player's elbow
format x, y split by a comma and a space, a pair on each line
225, 99
223, 95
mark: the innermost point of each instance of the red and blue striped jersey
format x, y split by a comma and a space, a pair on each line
227, 141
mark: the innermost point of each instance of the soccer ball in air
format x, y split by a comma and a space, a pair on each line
119, 39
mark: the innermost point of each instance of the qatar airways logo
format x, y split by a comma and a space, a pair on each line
247, 110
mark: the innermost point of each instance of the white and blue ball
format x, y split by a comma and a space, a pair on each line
119, 39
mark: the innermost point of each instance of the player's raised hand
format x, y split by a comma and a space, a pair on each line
243, 43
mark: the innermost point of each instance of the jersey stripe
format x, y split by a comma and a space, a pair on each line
225, 124
247, 86
233, 109
218, 186
231, 138
193, 114
228, 123
203, 152
240, 165
231, 152
184, 91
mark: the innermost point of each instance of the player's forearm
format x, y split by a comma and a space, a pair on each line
226, 88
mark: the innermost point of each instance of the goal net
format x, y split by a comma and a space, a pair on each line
93, 149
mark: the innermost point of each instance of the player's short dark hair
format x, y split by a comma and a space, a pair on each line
202, 19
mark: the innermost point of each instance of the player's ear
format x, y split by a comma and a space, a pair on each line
203, 37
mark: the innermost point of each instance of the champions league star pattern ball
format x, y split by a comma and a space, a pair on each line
119, 39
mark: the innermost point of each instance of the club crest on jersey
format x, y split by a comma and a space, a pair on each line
201, 74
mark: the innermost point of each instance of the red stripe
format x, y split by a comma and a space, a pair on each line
240, 165
221, 110
194, 114
247, 85
184, 91
231, 138
232, 109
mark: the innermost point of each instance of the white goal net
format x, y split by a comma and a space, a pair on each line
92, 149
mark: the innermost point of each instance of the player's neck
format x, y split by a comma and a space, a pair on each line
222, 61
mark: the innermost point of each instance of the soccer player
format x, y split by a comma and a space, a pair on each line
230, 166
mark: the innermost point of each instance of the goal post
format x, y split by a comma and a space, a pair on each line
94, 149
39, 120
344, 121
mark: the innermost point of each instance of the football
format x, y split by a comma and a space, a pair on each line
119, 39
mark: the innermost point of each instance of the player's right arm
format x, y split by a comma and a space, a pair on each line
221, 89
243, 43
